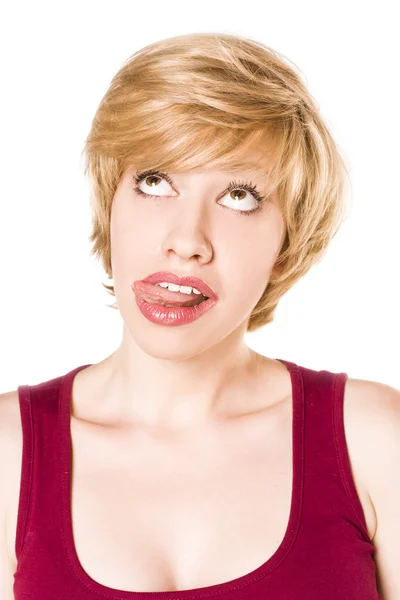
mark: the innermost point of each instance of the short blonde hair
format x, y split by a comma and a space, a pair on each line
200, 100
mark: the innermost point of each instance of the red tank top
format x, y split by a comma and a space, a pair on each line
326, 552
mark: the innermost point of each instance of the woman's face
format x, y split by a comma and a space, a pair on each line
194, 226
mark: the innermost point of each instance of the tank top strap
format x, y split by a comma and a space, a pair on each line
39, 496
329, 485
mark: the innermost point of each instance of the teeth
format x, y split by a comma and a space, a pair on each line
183, 289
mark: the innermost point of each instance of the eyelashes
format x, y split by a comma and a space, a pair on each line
233, 185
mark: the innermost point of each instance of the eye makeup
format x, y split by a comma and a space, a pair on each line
233, 185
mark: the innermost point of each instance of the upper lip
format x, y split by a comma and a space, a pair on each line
189, 280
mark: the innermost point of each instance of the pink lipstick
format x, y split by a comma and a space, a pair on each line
162, 315
164, 307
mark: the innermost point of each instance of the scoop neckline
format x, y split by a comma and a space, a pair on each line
253, 576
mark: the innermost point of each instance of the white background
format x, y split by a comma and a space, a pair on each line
57, 60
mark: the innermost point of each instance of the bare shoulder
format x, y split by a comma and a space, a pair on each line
10, 465
367, 407
376, 448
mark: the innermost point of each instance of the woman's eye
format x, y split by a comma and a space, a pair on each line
240, 197
237, 200
151, 183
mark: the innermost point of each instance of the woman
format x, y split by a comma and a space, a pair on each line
185, 464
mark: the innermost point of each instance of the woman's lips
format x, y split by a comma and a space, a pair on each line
159, 295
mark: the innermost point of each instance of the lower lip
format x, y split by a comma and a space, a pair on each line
174, 315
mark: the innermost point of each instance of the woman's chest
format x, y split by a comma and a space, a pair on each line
166, 518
